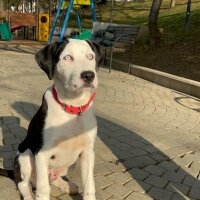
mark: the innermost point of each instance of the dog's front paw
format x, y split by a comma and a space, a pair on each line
28, 198
89, 196
39, 196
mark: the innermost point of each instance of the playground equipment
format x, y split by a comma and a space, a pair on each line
71, 3
5, 33
43, 29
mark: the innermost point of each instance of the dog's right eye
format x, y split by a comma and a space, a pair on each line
68, 58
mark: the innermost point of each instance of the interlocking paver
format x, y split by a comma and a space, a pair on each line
155, 170
118, 190
177, 187
173, 176
138, 196
195, 193
160, 194
138, 186
148, 135
120, 177
168, 165
156, 181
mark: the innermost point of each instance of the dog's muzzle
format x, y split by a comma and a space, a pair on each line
88, 77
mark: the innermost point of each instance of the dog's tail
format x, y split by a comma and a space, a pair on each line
7, 173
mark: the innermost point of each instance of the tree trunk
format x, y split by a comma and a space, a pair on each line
1, 6
172, 3
153, 22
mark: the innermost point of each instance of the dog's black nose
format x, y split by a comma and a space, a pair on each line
88, 76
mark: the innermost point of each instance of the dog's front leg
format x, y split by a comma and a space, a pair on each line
87, 168
42, 182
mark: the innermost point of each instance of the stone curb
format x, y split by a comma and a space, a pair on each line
177, 83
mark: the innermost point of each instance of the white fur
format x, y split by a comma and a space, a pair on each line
66, 136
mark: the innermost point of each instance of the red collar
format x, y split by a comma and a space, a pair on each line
72, 109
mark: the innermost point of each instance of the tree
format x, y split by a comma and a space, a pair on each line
1, 5
154, 32
172, 3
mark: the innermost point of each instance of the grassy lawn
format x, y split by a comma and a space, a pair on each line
178, 53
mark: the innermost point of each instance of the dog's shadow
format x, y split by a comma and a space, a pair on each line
120, 152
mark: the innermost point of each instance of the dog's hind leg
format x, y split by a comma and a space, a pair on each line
26, 165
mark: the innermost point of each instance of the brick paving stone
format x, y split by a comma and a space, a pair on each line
139, 161
6, 183
160, 194
156, 181
124, 155
138, 186
173, 176
138, 151
150, 148
103, 195
194, 193
180, 197
115, 166
138, 196
6, 148
184, 162
168, 165
155, 170
120, 177
178, 187
10, 120
9, 194
118, 190
8, 155
191, 181
138, 173
11, 140
102, 181
195, 165
189, 171
158, 156
101, 169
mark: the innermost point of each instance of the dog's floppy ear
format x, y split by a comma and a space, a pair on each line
48, 57
97, 49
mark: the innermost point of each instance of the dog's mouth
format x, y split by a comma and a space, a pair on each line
88, 85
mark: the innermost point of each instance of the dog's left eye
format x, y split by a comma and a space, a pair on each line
68, 57
90, 56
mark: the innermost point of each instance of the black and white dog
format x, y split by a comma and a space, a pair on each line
64, 128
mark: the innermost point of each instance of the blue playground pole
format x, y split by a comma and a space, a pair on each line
71, 2
55, 21
78, 21
92, 7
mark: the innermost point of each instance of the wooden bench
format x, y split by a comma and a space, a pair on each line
123, 39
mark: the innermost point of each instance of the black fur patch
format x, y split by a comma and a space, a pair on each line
34, 138
48, 57
17, 171
7, 173
97, 50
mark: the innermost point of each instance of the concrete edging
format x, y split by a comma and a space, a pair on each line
177, 83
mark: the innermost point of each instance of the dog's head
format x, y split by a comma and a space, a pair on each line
72, 63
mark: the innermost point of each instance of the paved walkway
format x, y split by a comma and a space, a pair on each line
148, 139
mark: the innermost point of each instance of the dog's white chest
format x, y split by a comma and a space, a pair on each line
66, 135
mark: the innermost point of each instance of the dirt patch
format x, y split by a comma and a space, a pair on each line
181, 60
